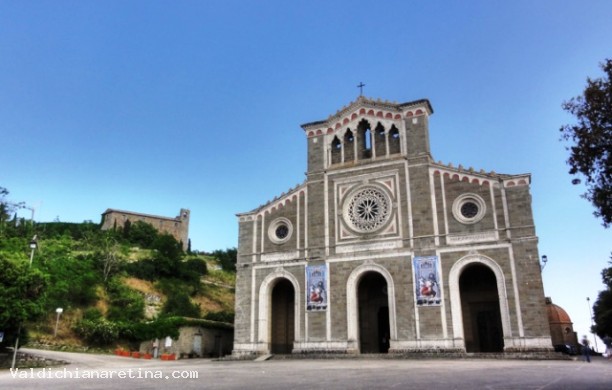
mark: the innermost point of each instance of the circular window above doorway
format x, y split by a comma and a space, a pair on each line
469, 208
280, 230
367, 209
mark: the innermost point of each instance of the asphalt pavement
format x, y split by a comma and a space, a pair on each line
89, 371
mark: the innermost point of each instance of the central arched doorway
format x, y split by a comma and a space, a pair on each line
482, 324
373, 308
283, 314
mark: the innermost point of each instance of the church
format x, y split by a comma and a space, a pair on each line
383, 250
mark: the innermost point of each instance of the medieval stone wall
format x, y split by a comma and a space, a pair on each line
178, 227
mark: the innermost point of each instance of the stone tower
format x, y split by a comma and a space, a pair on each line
381, 249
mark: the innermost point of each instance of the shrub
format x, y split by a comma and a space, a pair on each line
140, 233
73, 280
196, 265
143, 269
179, 304
126, 304
97, 332
220, 316
92, 314
227, 258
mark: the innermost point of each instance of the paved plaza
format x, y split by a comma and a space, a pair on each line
105, 371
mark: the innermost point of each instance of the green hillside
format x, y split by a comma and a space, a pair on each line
115, 287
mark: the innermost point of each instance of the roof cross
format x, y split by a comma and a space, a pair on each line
360, 86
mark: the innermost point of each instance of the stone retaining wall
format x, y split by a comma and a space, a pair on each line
25, 360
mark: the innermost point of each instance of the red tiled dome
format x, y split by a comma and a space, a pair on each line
556, 314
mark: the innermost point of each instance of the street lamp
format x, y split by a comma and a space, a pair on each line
33, 246
59, 311
544, 261
592, 324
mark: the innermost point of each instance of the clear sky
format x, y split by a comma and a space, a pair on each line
153, 106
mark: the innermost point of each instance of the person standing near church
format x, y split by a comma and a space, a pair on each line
586, 350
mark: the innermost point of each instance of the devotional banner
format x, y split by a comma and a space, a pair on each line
427, 281
316, 281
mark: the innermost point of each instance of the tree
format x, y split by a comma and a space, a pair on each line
7, 208
73, 276
602, 308
109, 257
106, 251
140, 233
22, 291
168, 254
591, 154
227, 258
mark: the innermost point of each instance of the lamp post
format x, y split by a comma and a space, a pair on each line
33, 246
544, 261
592, 324
59, 311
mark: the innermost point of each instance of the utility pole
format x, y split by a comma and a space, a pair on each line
592, 324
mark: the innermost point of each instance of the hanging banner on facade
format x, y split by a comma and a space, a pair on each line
427, 281
316, 282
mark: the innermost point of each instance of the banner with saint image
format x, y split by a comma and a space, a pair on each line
426, 276
316, 283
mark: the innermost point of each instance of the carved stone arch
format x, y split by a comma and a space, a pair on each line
352, 313
265, 297
455, 295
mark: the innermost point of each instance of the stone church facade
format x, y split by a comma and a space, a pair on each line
381, 249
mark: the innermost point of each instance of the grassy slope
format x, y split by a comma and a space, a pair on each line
217, 294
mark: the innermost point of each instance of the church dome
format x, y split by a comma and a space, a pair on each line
556, 314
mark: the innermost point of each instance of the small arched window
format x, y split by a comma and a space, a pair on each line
394, 140
349, 148
381, 141
364, 139
336, 151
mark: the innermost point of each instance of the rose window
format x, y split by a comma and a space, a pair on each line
469, 210
368, 209
282, 231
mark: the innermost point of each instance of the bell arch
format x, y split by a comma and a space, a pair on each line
364, 139
380, 144
336, 151
352, 312
394, 140
349, 146
264, 315
455, 295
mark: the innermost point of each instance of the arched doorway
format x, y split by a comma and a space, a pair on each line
373, 308
282, 317
482, 323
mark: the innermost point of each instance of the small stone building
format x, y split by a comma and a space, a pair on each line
382, 249
178, 227
193, 341
561, 325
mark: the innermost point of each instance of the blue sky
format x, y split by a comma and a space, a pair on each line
152, 106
